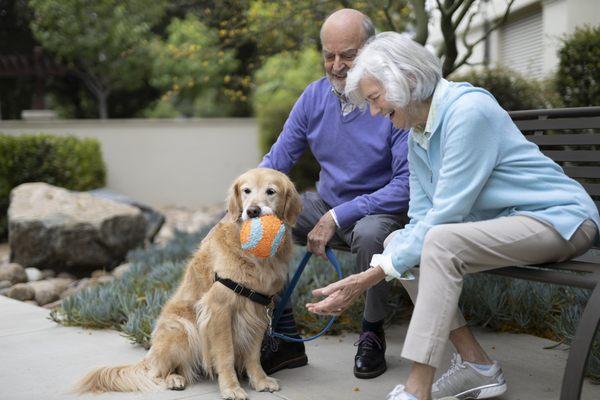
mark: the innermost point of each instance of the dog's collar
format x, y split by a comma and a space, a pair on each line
244, 291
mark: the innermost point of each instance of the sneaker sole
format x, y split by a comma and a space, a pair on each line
297, 362
483, 392
370, 375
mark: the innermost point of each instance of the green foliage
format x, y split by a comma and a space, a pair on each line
105, 40
63, 161
189, 66
279, 83
514, 305
132, 303
513, 91
291, 25
578, 77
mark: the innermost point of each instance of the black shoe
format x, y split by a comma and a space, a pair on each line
369, 361
277, 354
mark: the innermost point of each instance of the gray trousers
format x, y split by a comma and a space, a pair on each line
364, 238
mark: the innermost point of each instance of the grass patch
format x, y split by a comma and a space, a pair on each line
132, 304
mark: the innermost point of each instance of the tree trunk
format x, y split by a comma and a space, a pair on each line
102, 105
421, 21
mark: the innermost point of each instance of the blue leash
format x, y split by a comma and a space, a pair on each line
286, 296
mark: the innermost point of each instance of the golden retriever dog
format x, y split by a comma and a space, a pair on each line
206, 328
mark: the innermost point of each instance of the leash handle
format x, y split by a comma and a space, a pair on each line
286, 296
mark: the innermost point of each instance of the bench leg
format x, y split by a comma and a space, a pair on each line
581, 347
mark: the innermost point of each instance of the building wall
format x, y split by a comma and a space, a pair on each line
164, 162
559, 18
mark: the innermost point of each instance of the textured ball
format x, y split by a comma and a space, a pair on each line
262, 236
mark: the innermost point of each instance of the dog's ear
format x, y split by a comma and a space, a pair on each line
234, 202
293, 204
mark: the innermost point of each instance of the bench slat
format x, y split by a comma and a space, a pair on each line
592, 188
558, 123
567, 139
547, 276
582, 172
573, 155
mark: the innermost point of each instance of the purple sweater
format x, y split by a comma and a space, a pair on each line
363, 159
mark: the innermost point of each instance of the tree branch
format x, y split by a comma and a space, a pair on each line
462, 13
422, 21
471, 46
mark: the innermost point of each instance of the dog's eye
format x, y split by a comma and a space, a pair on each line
247, 191
271, 192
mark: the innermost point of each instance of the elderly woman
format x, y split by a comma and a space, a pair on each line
481, 197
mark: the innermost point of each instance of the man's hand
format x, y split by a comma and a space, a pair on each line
320, 235
341, 294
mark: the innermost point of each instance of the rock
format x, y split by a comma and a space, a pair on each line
121, 270
66, 275
4, 292
5, 284
33, 303
154, 219
49, 291
48, 273
52, 305
105, 279
21, 291
99, 272
33, 274
74, 287
61, 229
45, 292
13, 272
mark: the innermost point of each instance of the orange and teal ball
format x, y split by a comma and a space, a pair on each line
262, 236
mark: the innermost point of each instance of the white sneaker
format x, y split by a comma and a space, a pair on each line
464, 381
400, 394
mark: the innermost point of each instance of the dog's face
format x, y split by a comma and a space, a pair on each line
263, 191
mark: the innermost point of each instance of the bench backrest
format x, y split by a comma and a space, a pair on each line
571, 137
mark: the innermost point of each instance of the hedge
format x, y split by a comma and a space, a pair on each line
64, 161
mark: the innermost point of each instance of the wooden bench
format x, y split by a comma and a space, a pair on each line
571, 137
578, 151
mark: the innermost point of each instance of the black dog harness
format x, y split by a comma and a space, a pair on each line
242, 290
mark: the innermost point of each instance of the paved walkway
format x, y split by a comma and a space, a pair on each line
40, 360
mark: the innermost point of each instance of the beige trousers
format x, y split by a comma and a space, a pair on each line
450, 251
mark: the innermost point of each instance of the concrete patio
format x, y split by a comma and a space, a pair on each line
41, 360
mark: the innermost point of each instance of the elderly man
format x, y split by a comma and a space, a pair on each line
362, 192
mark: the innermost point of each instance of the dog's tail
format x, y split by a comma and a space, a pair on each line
123, 378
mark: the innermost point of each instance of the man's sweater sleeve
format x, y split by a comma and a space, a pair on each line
391, 198
291, 142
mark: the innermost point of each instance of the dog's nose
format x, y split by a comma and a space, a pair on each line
253, 211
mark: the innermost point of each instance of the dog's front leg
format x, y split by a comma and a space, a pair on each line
258, 379
221, 340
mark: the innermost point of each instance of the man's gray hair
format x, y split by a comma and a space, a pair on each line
407, 71
368, 28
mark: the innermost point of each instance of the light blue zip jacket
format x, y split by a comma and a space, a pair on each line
479, 166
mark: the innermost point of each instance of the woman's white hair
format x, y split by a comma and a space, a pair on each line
407, 71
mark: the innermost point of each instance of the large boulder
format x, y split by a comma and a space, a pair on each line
51, 227
154, 219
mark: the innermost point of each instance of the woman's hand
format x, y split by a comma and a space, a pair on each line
341, 294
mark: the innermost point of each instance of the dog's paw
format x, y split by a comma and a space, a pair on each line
234, 394
175, 382
266, 385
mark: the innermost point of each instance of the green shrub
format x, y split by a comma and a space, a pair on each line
132, 303
578, 76
513, 91
279, 83
64, 161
